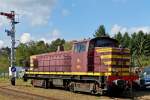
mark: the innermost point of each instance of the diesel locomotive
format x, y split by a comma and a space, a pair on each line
93, 65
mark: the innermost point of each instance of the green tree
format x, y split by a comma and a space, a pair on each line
24, 51
139, 44
4, 59
54, 44
100, 32
140, 48
22, 54
41, 47
126, 40
119, 37
68, 45
147, 45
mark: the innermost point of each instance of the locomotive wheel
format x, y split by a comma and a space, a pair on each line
93, 92
46, 84
96, 90
93, 89
51, 84
31, 82
66, 85
72, 87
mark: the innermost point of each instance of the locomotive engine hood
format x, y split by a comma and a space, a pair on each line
116, 60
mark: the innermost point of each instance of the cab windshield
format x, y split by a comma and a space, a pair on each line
102, 42
105, 43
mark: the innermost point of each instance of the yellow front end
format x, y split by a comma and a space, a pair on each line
117, 60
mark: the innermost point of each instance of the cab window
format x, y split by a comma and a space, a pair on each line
105, 43
102, 43
80, 47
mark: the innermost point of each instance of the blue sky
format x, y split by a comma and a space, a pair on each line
73, 19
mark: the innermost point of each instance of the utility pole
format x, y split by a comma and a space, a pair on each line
11, 33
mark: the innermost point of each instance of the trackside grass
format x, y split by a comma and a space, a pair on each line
57, 94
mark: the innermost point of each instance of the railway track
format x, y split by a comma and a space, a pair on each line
20, 92
20, 95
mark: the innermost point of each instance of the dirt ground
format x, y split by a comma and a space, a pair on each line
24, 91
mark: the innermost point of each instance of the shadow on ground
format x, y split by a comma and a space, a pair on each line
141, 93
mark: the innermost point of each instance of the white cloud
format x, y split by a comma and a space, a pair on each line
65, 12
3, 21
117, 28
1, 44
53, 36
37, 12
26, 37
45, 40
145, 29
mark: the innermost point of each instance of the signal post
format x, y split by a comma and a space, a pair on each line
11, 33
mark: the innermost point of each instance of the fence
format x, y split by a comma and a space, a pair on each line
4, 75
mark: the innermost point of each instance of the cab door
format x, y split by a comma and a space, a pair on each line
79, 57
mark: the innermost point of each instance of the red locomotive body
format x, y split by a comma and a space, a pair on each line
54, 62
99, 63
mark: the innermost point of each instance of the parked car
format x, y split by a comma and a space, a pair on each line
145, 77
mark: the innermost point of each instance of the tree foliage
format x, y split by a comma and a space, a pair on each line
54, 45
139, 44
100, 32
68, 45
4, 60
118, 36
24, 51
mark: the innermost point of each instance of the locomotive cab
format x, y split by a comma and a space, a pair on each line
79, 56
84, 54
